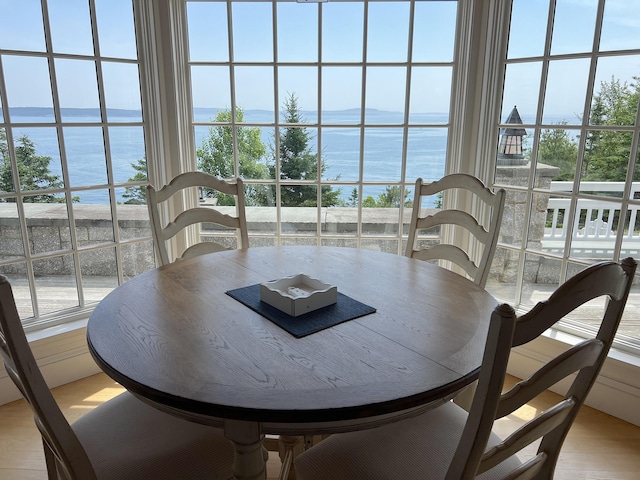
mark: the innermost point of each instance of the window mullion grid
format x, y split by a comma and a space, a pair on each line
106, 141
319, 129
276, 130
363, 99
405, 127
63, 158
22, 219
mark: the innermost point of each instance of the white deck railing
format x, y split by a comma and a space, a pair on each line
593, 231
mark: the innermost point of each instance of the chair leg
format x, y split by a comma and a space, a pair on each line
51, 462
464, 399
290, 448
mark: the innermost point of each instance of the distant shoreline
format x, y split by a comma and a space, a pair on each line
121, 112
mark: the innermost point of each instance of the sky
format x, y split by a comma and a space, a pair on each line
27, 78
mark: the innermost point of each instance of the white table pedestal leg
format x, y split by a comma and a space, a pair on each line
248, 461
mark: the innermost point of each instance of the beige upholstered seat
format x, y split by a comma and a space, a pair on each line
197, 215
447, 443
486, 237
121, 439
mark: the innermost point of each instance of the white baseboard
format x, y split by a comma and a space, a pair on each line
62, 358
617, 388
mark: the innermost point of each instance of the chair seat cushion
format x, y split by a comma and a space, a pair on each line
410, 449
125, 438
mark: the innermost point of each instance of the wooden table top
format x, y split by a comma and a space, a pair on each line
173, 336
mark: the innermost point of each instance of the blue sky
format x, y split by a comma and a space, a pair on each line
28, 82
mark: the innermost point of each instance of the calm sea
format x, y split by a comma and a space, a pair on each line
340, 146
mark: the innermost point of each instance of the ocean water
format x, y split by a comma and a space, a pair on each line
340, 146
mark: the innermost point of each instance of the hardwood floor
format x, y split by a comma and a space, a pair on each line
598, 446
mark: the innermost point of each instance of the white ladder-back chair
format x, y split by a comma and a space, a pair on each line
449, 443
197, 215
488, 237
122, 438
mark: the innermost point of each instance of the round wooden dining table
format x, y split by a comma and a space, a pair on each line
174, 338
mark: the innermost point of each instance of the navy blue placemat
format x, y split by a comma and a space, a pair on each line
346, 308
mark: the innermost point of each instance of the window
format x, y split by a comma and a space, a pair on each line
336, 108
571, 94
72, 154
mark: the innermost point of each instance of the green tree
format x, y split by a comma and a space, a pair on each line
33, 171
215, 156
390, 198
607, 151
297, 162
137, 195
558, 149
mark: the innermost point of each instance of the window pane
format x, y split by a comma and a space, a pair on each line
434, 31
620, 26
430, 90
617, 90
383, 154
342, 89
522, 89
49, 232
121, 89
303, 82
21, 26
27, 83
388, 32
573, 26
12, 245
566, 98
558, 149
70, 26
341, 153
99, 273
426, 153
85, 156
297, 33
56, 285
342, 32
116, 28
127, 153
528, 28
210, 88
38, 149
254, 90
17, 275
77, 88
252, 32
208, 33
607, 158
386, 87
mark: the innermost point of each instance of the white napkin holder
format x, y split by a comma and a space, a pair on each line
298, 294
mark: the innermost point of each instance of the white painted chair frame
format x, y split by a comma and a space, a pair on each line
428, 443
196, 215
122, 438
488, 237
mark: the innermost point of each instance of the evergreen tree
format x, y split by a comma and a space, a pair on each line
137, 195
390, 198
215, 156
607, 151
559, 150
33, 171
297, 162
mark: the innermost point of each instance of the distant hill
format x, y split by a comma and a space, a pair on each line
72, 112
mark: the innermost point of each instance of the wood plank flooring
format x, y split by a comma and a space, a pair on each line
599, 447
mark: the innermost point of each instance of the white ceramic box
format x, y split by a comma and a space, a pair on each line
298, 294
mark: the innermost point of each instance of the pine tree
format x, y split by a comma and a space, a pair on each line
33, 171
297, 162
